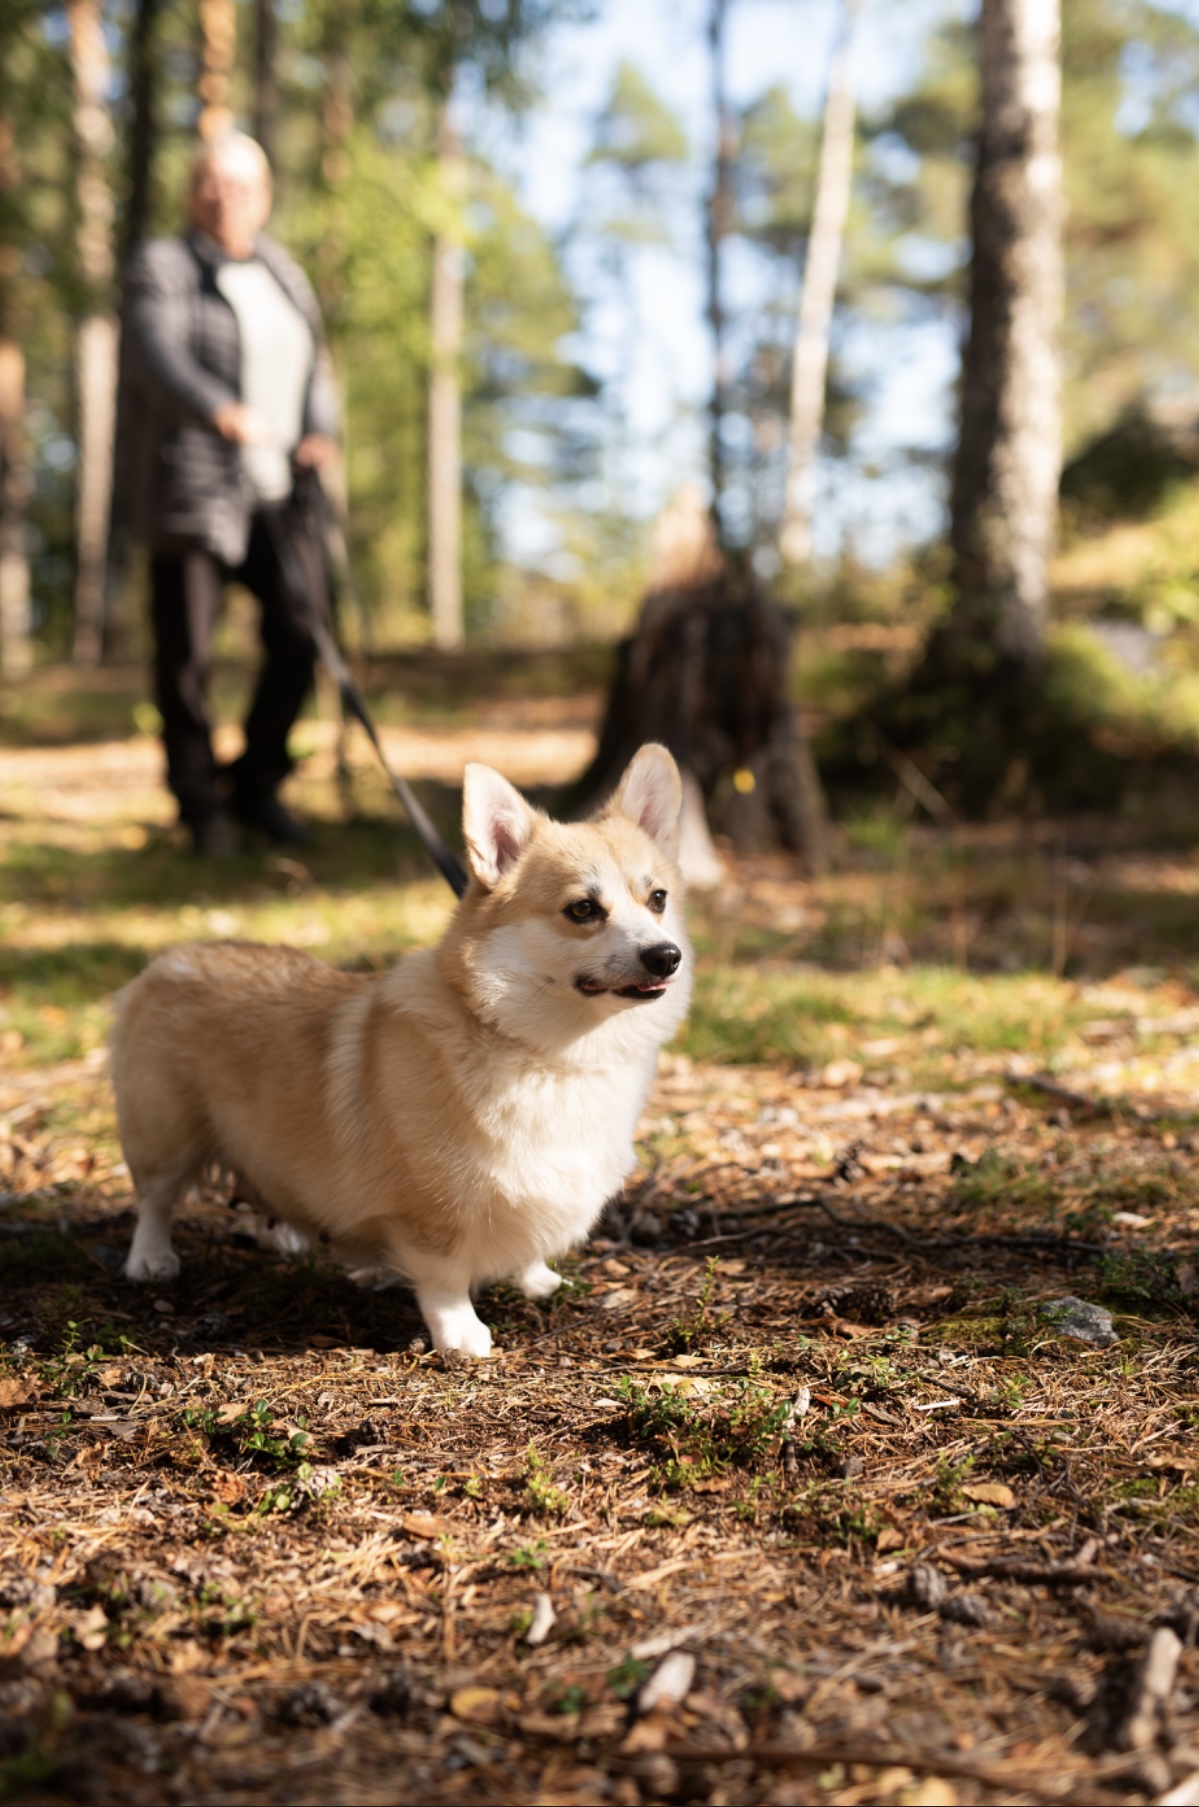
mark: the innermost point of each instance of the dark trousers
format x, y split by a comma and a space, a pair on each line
186, 595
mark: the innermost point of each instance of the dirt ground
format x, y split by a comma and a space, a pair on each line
800, 1492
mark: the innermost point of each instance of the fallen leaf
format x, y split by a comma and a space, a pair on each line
476, 1706
14, 1393
620, 1300
648, 1734
423, 1524
990, 1493
889, 1539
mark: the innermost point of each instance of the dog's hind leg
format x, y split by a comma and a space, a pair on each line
151, 1256
537, 1281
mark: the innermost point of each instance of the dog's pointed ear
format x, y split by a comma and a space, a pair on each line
651, 794
497, 823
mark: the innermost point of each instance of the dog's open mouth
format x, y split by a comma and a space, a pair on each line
647, 988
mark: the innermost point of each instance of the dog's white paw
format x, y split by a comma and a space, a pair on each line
152, 1264
457, 1329
281, 1238
538, 1281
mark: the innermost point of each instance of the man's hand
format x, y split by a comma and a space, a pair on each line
239, 424
315, 452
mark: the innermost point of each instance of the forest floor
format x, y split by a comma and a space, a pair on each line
824, 1503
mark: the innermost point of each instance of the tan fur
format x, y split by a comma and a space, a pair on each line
458, 1119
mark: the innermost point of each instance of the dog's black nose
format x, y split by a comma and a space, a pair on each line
662, 959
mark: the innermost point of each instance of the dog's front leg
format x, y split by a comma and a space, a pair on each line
445, 1304
537, 1281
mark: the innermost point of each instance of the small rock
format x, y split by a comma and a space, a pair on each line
965, 1609
393, 1698
670, 1683
542, 1621
927, 1587
1079, 1318
312, 1703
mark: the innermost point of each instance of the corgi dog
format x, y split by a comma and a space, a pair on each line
459, 1119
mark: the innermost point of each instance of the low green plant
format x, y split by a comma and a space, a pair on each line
251, 1435
625, 1679
686, 1331
544, 1497
733, 1427
530, 1556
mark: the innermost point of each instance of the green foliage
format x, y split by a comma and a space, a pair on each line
544, 1498
686, 1331
530, 1556
625, 1679
252, 1434
734, 1427
636, 131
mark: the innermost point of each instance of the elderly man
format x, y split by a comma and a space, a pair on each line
232, 393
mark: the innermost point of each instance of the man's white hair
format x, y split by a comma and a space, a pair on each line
232, 150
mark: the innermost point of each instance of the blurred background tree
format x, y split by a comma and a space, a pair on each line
502, 363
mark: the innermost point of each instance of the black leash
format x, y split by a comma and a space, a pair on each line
352, 699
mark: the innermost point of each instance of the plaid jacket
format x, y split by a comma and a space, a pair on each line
180, 360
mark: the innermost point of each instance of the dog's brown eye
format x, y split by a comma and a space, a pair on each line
584, 910
657, 902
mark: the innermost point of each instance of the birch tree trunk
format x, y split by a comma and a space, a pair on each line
445, 402
809, 369
16, 645
1005, 477
96, 338
719, 224
218, 43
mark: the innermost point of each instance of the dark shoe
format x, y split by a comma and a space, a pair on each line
213, 837
263, 810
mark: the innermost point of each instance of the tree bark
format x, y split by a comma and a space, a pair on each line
143, 124
1005, 478
809, 370
142, 140
96, 336
16, 643
707, 671
445, 403
718, 224
266, 77
218, 43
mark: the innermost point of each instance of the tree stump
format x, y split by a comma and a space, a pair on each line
706, 671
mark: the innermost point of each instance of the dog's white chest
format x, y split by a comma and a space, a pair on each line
557, 1139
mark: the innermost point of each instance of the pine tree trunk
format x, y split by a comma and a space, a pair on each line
445, 406
16, 643
142, 136
266, 76
719, 223
1005, 478
143, 124
96, 338
218, 43
809, 370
